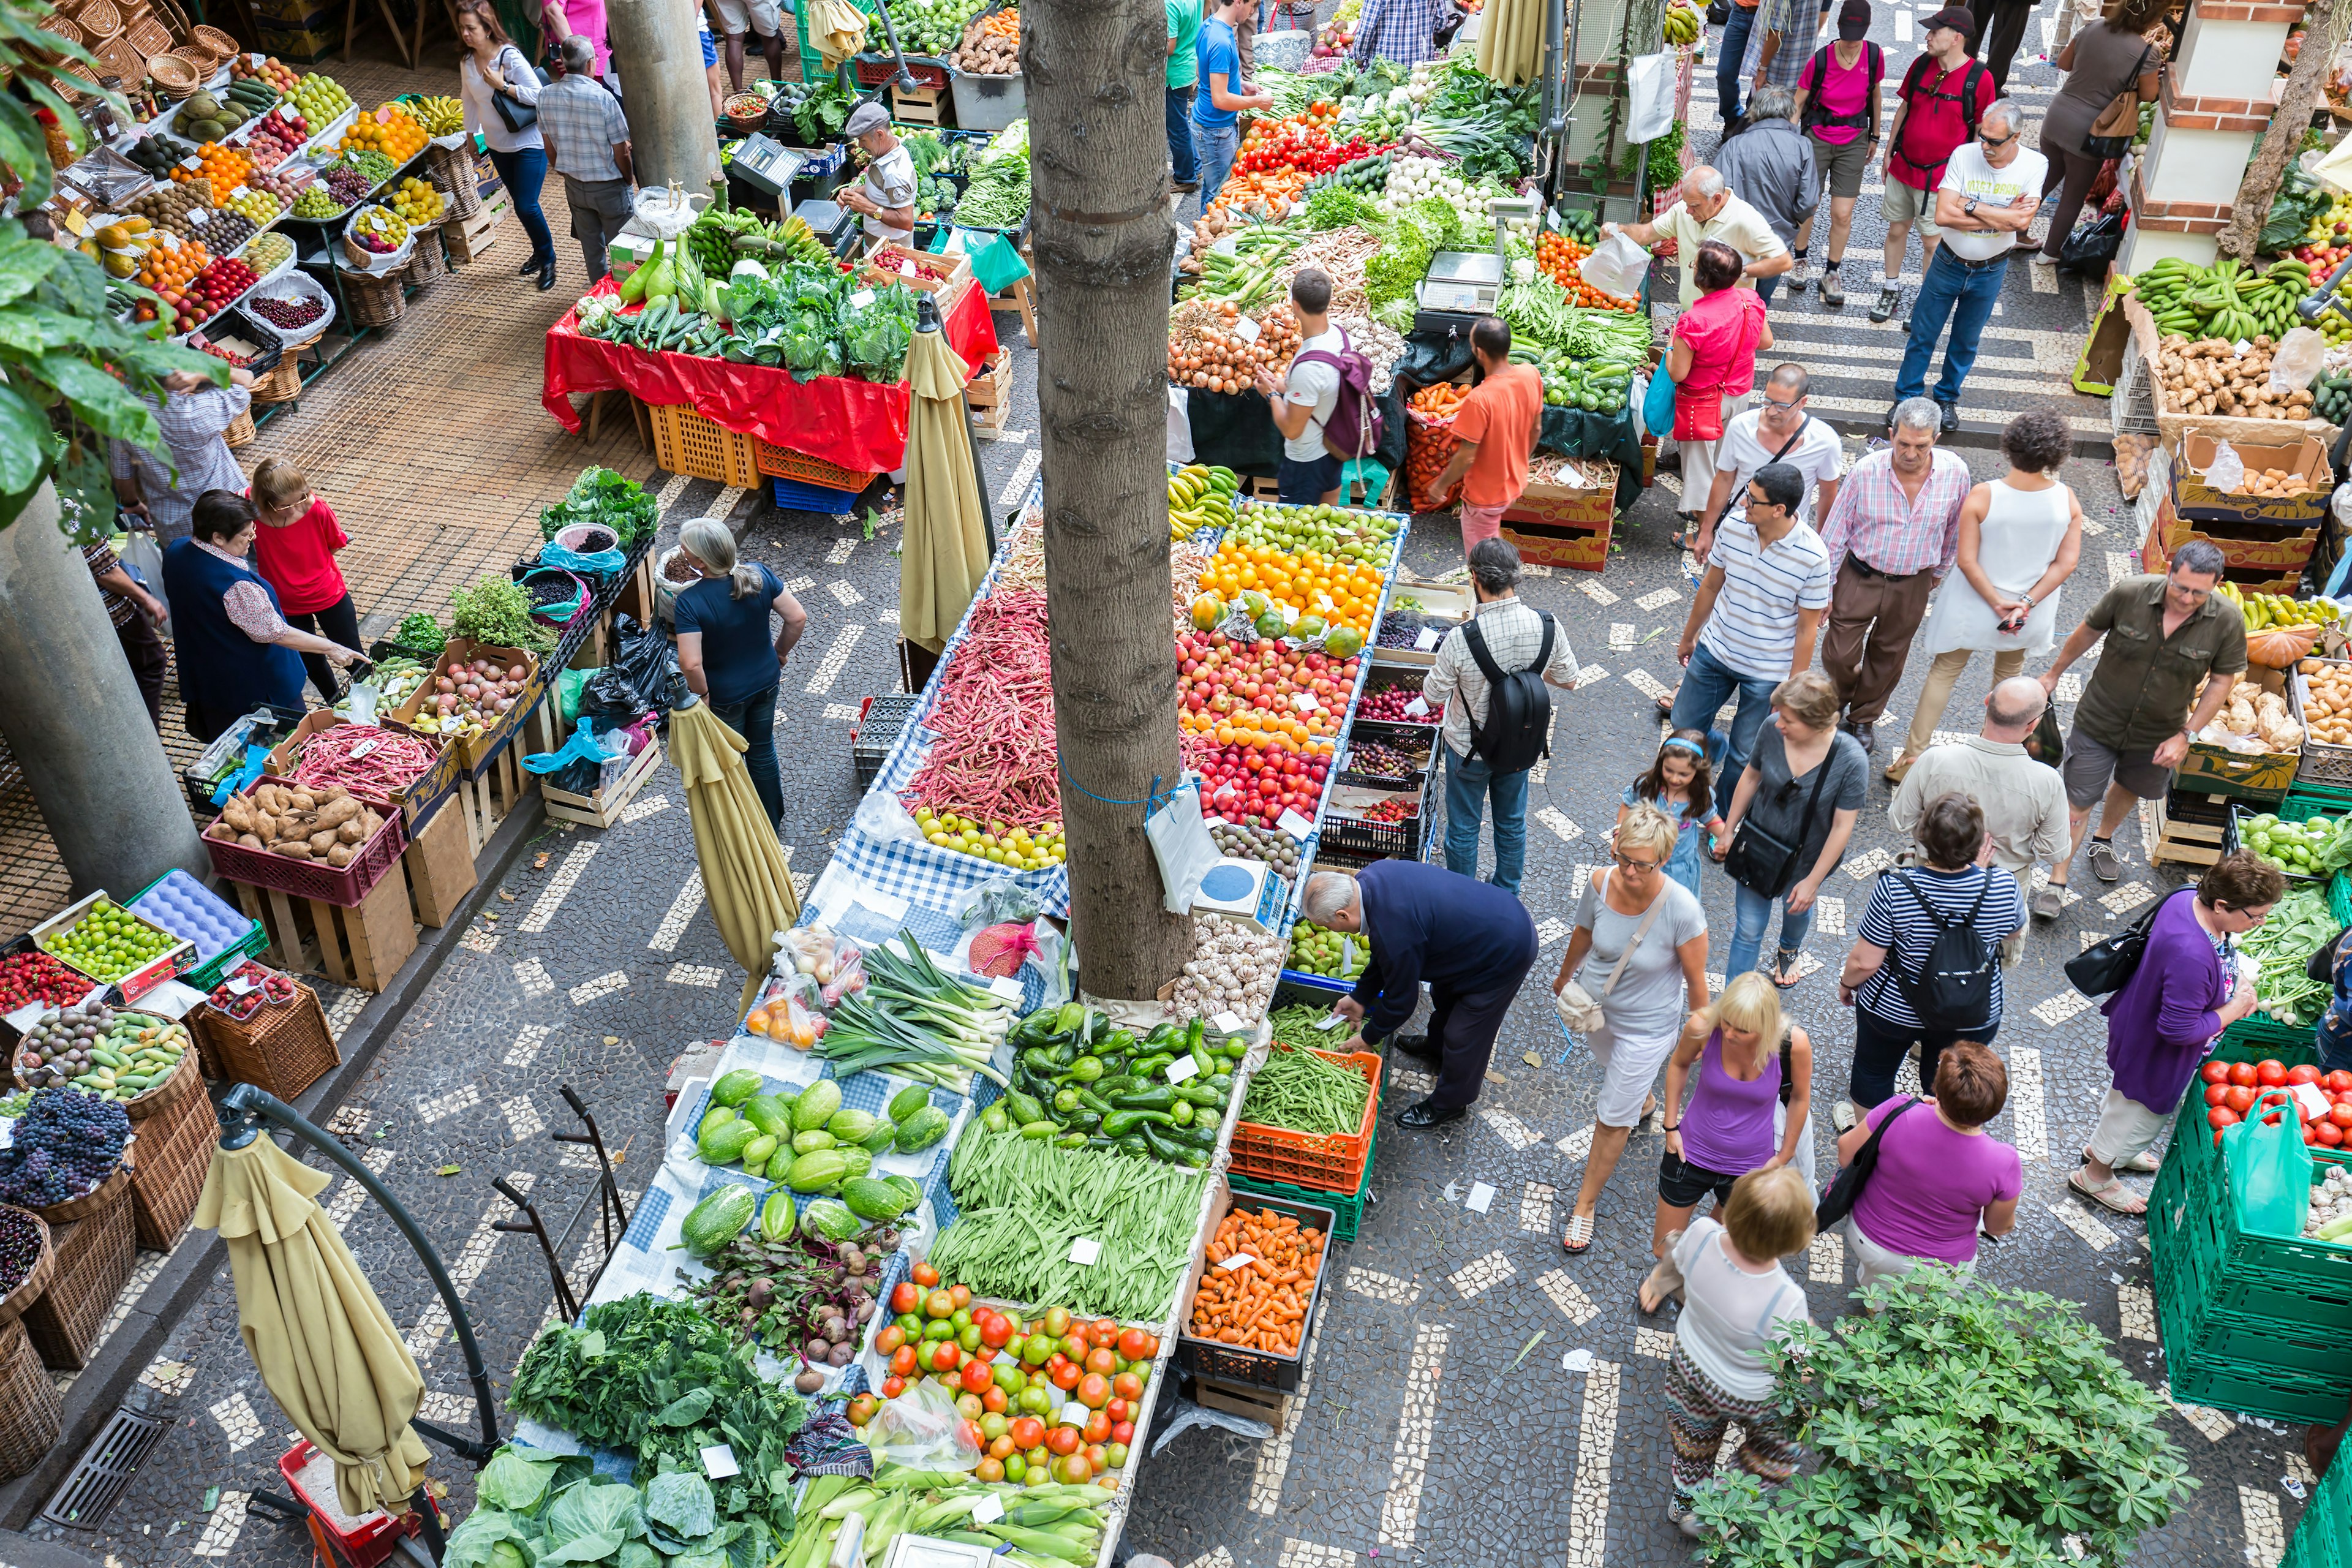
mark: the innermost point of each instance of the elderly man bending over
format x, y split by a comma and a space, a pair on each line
1709, 210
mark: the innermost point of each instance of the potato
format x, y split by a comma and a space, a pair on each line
340, 856
332, 793
303, 800
370, 823
322, 841
272, 798
238, 818
352, 832
250, 842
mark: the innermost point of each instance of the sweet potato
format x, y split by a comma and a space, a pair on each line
237, 816
335, 813
352, 832
340, 856
322, 841
303, 800
250, 842
369, 824
222, 829
293, 850
272, 798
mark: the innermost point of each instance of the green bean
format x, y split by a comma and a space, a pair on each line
1305, 1092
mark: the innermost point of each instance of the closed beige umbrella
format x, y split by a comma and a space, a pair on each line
744, 874
324, 1344
1510, 41
943, 553
837, 28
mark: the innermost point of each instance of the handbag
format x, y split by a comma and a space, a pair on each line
2047, 745
516, 115
1839, 1201
1718, 13
2109, 966
1579, 1008
2112, 132
1760, 860
1658, 403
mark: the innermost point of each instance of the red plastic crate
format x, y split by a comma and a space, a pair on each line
1334, 1164
783, 463
872, 70
345, 887
372, 1543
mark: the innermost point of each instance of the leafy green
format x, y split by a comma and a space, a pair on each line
1414, 236
419, 633
821, 115
1489, 127
681, 1501
1337, 206
809, 320
498, 612
602, 495
1957, 1423
998, 197
513, 1482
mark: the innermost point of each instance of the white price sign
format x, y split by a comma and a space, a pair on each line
1226, 1023
1084, 1250
718, 1462
1183, 1068
1238, 1260
990, 1508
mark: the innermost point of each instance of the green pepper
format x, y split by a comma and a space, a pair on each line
1023, 1108
1065, 1102
1154, 1097
1086, 1069
1040, 1128
1181, 1113
1120, 1121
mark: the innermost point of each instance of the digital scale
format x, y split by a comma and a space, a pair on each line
832, 222
1464, 282
767, 165
1244, 890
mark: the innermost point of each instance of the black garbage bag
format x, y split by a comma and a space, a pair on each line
2093, 246
1235, 430
643, 678
578, 777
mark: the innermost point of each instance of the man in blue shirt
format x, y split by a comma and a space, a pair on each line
1472, 941
1217, 130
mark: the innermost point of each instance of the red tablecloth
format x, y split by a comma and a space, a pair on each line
858, 425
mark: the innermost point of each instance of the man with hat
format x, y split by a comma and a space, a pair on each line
887, 195
1943, 96
1837, 108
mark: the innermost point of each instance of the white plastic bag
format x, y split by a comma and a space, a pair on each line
2298, 359
922, 1430
1650, 81
1181, 843
2227, 471
1180, 426
1615, 267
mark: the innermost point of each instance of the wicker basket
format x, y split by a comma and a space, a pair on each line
173, 1157
284, 1048
32, 1411
376, 299
432, 259
98, 1197
57, 26
452, 171
154, 41
44, 1268
214, 42
94, 1257
241, 431
98, 19
282, 384
175, 77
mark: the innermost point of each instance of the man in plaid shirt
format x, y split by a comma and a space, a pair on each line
587, 139
1405, 31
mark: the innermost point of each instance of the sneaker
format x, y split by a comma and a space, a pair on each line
1951, 417
1889, 298
1796, 278
1833, 292
2050, 902
2105, 864
1842, 1116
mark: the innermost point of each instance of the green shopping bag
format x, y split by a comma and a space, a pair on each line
2269, 1167
998, 265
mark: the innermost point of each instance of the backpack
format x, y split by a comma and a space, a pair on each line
1356, 424
1953, 990
1518, 730
1971, 105
1873, 59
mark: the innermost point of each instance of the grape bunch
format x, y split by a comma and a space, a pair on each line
65, 1144
20, 1248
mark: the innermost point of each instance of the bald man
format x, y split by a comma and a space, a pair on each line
1711, 209
2022, 799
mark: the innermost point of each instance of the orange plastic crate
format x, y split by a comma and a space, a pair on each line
783, 463
687, 443
1334, 1164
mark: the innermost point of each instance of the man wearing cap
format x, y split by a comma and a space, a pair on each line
1991, 190
887, 195
1838, 111
1943, 96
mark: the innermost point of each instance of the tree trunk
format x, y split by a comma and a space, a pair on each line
672, 138
1096, 71
2296, 100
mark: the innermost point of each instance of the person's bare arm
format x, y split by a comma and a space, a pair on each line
690, 663
1694, 956
1861, 962
124, 583
1641, 234
1801, 896
2070, 552
795, 626
1990, 217
624, 160
1687, 1050
2001, 1218
1970, 565
1809, 625
1742, 794
1893, 131
1702, 606
1770, 266
1457, 466
1678, 364
2078, 643
1825, 494
1719, 496
2066, 60
1580, 942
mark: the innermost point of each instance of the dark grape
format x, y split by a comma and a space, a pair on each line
64, 1144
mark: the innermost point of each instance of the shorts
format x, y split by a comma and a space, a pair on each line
1873, 1263
1479, 524
1901, 204
2089, 766
1842, 167
1629, 1065
1681, 1185
761, 15
709, 51
1304, 484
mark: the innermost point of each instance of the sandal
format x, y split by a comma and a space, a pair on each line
2140, 1164
1784, 965
1666, 701
1641, 1293
2115, 1197
1579, 1238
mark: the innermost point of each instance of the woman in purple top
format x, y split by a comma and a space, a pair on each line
1730, 1125
1940, 1178
2162, 1023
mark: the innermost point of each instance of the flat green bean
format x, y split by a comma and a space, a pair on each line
1305, 1092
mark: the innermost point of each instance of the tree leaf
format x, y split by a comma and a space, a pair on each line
23, 263
26, 445
25, 150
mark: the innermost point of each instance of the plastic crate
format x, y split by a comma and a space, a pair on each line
210, 969
880, 723
794, 496
1261, 1369
345, 887
2291, 809
783, 463
2253, 1039
1402, 840
872, 70
1347, 1208
1375, 731
2273, 1393
687, 443
1333, 1165
363, 1542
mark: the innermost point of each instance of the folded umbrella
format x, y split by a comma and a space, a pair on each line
744, 874
944, 550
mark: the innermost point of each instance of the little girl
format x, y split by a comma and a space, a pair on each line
1679, 784
294, 551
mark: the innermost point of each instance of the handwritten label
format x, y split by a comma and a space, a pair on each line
1336, 1021
1084, 1251
863, 298
718, 1462
1238, 1260
2312, 1100
1226, 1023
1297, 826
1245, 330
1429, 638
1181, 1069
990, 1508
192, 162
239, 194
198, 216
75, 222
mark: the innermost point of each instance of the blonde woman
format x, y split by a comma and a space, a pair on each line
725, 650
1800, 797
1749, 1096
1641, 944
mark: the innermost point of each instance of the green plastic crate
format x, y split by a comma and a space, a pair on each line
1347, 1208
2253, 1039
2325, 1529
2225, 1293
2294, 808
2270, 1392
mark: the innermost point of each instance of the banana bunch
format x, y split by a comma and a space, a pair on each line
1201, 497
2271, 612
1682, 25
2223, 300
439, 116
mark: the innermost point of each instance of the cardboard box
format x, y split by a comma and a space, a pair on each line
473, 751
1577, 546
417, 801
1568, 505
2198, 501
2153, 555
2268, 548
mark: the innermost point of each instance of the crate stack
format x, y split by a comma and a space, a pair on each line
2323, 1537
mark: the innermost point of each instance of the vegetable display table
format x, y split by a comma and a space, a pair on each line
858, 425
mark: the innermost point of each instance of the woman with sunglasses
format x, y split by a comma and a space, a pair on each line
1795, 806
1641, 943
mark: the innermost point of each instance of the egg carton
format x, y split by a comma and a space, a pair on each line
184, 906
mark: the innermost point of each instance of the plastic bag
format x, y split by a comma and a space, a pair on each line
2298, 359
1657, 404
1651, 79
569, 684
1180, 426
2268, 1167
644, 665
2094, 244
922, 1430
790, 1014
1181, 843
997, 901
2227, 471
1615, 267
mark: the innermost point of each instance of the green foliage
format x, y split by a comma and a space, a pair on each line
545, 1510
66, 361
498, 612
1414, 236
603, 495
1961, 1424
1337, 206
821, 115
420, 634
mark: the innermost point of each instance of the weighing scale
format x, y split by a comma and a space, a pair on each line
832, 222
1464, 282
767, 165
1243, 891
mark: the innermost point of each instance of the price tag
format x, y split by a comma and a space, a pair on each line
1245, 330
75, 222
1074, 1415
1346, 951
1183, 1068
1303, 701
198, 216
1336, 1021
1084, 1251
2309, 1097
718, 1462
1227, 1024
192, 162
1429, 638
1238, 1260
990, 1508
239, 194
863, 298
363, 748
2242, 347
1297, 826
239, 985
169, 240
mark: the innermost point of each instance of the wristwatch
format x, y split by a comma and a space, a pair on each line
1969, 205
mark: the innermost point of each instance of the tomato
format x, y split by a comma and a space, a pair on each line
961, 1317
1074, 1348
893, 1386
926, 1276
1127, 1385
1072, 1469
902, 1361
969, 1337
2241, 1098
1035, 1399
1100, 1359
2270, 1072
2311, 1138
2216, 1094
1097, 1427
2337, 1082
2221, 1115
904, 1299
1027, 1431
2306, 1073
995, 1400
962, 1295
976, 1378
2242, 1073
1063, 1440
996, 1331
889, 1339
1017, 1469
1007, 1377
1094, 1391
1122, 1433
938, 1329
862, 1409
991, 1469
1116, 1452
1058, 1322
1102, 1331
1037, 1350
2340, 1116
969, 1407
2329, 1133
1066, 1376
946, 1356
938, 1305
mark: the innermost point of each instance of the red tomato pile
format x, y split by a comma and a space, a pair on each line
28, 977
2233, 1088
1012, 1379
1301, 140
1267, 759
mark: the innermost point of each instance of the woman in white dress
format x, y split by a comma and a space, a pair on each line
2020, 536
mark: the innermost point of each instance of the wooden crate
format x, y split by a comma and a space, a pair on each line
991, 385
923, 106
2188, 829
484, 801
604, 807
468, 238
440, 868
363, 946
1238, 1399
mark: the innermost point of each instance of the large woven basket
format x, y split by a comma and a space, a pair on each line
94, 1257
154, 41
284, 1048
31, 1409
214, 42
173, 1157
177, 1085
240, 432
98, 1196
281, 384
98, 20
376, 299
44, 1268
431, 261
452, 171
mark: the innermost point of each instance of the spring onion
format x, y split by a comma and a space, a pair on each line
916, 1021
2299, 926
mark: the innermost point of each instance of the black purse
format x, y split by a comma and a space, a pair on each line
1846, 1190
2108, 966
516, 114
1760, 861
1718, 12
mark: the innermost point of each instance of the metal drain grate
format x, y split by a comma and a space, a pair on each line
99, 1481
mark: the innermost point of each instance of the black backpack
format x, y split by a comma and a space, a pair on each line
1873, 59
1953, 990
1517, 729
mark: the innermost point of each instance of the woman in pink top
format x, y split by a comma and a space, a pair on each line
1940, 1178
1752, 1065
294, 551
1713, 361
559, 19
1837, 105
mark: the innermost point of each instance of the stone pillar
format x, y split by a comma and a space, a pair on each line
2219, 95
73, 718
658, 53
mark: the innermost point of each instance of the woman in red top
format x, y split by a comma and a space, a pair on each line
1713, 361
294, 551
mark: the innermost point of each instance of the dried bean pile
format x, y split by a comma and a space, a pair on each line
994, 760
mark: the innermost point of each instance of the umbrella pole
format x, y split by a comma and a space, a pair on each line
241, 1113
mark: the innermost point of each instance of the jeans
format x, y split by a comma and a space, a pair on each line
523, 173
1966, 294
2335, 1050
1469, 783
1217, 148
1751, 912
1767, 287
1185, 162
339, 623
1880, 1045
1734, 45
754, 719
1708, 684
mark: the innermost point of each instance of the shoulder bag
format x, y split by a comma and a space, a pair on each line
515, 114
1839, 1201
2112, 132
2108, 966
1579, 1008
1762, 862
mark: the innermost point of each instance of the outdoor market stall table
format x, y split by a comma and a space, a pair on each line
858, 425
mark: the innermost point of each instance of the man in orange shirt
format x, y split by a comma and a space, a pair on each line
1496, 428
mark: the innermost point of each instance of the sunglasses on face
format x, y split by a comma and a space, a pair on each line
1997, 141
1630, 863
1787, 408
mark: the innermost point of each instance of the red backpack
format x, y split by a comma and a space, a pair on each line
1356, 424
1933, 105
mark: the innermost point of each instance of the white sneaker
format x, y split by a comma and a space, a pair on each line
2043, 259
1842, 1116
